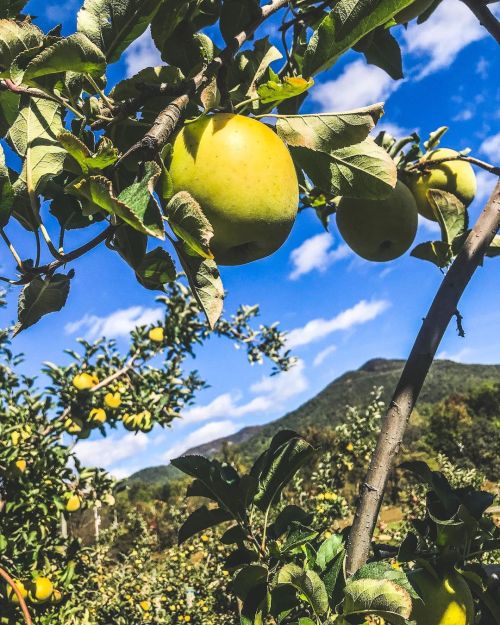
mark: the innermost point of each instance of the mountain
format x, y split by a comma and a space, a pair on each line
328, 406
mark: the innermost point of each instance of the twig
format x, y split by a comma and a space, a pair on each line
7, 84
12, 249
417, 366
117, 374
426, 163
485, 17
19, 596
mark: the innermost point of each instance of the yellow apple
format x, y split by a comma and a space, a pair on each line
379, 230
97, 415
40, 590
11, 595
113, 400
73, 504
84, 381
413, 10
445, 601
243, 177
456, 177
156, 334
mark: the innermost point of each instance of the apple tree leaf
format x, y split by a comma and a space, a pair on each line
450, 213
236, 15
9, 106
382, 49
309, 585
377, 596
190, 224
494, 247
11, 8
34, 136
40, 297
156, 269
205, 282
276, 90
112, 25
328, 131
105, 155
437, 252
16, 37
6, 192
345, 25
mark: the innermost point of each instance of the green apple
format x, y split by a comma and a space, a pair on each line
243, 177
445, 601
456, 177
413, 10
379, 230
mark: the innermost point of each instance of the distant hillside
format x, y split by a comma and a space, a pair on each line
328, 406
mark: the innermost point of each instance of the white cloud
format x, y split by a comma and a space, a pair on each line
485, 184
271, 393
323, 355
142, 53
395, 130
118, 323
53, 11
205, 434
315, 253
457, 356
358, 85
317, 329
491, 147
482, 67
105, 452
440, 39
464, 115
430, 226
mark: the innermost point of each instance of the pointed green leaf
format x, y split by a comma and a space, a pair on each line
379, 596
105, 155
329, 131
247, 578
384, 570
6, 192
190, 224
450, 213
40, 297
205, 282
156, 269
236, 16
75, 53
9, 106
200, 520
437, 252
382, 49
112, 25
346, 24
276, 90
16, 37
308, 583
328, 550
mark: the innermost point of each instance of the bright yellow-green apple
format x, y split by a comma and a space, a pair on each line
243, 177
40, 590
456, 177
11, 595
379, 230
73, 504
413, 10
84, 381
97, 416
156, 334
112, 400
446, 601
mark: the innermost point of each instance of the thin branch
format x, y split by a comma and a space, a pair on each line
117, 374
8, 85
426, 163
485, 17
19, 596
443, 308
12, 249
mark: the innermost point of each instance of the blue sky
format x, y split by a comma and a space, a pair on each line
339, 309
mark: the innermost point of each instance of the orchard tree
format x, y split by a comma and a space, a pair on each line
180, 153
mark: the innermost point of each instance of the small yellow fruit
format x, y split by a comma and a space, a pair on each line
11, 595
20, 465
456, 177
446, 601
97, 415
73, 426
156, 334
73, 504
112, 400
244, 179
56, 597
14, 437
145, 605
349, 447
84, 381
40, 590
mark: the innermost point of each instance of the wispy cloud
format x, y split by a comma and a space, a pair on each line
430, 226
316, 253
204, 434
491, 147
358, 85
456, 356
317, 329
142, 53
439, 40
323, 355
104, 452
485, 184
118, 323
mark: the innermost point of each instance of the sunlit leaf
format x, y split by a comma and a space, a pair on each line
189, 223
16, 37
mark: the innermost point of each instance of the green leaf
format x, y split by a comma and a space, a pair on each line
205, 282
329, 131
286, 517
383, 570
437, 252
308, 583
16, 37
156, 269
382, 49
359, 170
40, 297
190, 224
200, 520
34, 136
105, 156
9, 106
239, 557
376, 596
494, 247
6, 192
247, 578
276, 90
135, 204
112, 25
236, 16
75, 53
11, 8
288, 451
328, 550
235, 534
450, 213
249, 69
346, 24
